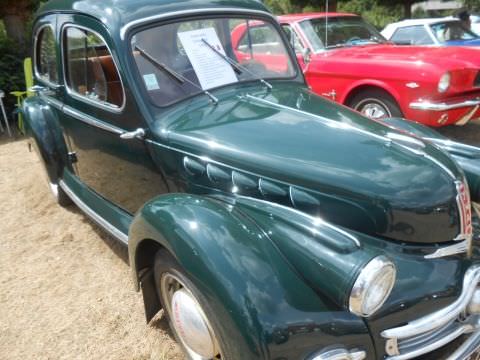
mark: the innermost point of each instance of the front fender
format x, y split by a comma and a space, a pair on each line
466, 156
263, 304
43, 129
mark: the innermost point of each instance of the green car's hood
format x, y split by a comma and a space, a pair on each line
343, 167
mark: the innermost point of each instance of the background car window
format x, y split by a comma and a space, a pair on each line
91, 71
293, 38
167, 72
451, 31
412, 35
46, 58
340, 31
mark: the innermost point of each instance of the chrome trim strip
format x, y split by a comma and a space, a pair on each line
431, 106
441, 317
433, 346
167, 15
467, 348
87, 119
102, 105
459, 248
34, 60
112, 230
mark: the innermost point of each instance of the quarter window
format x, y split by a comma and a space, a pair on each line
90, 69
46, 58
293, 38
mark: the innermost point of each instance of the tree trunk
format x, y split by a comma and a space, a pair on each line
15, 28
407, 12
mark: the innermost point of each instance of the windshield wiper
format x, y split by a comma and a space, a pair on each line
237, 66
172, 73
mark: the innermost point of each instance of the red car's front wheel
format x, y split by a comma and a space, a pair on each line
375, 104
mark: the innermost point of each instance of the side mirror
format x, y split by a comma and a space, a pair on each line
307, 55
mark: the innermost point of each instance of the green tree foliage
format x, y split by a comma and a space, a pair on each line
372, 11
11, 68
472, 5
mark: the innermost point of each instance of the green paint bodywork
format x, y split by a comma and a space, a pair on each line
238, 189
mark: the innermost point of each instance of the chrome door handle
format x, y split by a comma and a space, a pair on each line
135, 134
39, 89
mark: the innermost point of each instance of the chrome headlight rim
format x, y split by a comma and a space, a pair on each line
372, 272
444, 82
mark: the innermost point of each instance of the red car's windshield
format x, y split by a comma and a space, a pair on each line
339, 31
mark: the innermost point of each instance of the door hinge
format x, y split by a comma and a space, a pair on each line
72, 157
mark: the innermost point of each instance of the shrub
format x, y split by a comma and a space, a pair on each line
11, 70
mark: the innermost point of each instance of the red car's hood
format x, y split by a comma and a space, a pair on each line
448, 57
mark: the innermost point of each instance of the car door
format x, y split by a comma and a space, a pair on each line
97, 110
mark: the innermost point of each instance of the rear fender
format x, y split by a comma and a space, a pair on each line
43, 129
260, 298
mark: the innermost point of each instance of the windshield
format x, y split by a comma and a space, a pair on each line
451, 31
182, 59
339, 32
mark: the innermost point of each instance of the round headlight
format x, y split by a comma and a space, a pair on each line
372, 287
444, 82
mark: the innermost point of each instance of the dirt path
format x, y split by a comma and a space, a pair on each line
65, 286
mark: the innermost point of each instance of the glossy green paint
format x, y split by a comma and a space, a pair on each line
249, 178
264, 305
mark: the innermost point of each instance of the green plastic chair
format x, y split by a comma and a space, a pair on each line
20, 95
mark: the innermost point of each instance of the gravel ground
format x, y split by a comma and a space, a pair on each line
65, 285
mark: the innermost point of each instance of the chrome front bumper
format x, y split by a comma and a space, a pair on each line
440, 328
431, 106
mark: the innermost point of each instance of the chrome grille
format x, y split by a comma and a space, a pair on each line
433, 331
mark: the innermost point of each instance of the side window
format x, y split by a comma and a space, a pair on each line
412, 35
90, 69
45, 56
293, 38
262, 39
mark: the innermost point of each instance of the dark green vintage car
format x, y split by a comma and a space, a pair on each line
268, 222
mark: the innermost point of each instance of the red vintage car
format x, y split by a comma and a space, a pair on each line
349, 61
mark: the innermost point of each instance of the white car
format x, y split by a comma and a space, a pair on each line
440, 32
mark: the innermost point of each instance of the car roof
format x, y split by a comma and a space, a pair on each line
391, 28
120, 12
428, 21
311, 15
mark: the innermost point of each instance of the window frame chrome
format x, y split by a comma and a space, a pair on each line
102, 105
38, 76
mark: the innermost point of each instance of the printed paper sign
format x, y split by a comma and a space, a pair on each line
212, 71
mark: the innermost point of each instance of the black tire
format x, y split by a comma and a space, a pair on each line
165, 266
368, 101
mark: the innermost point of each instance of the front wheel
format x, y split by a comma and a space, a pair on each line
188, 314
375, 104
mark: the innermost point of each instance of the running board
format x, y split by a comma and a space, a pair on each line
104, 224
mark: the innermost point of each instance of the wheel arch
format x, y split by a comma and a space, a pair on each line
254, 290
43, 131
365, 85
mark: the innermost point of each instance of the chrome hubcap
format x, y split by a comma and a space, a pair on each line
373, 108
189, 320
